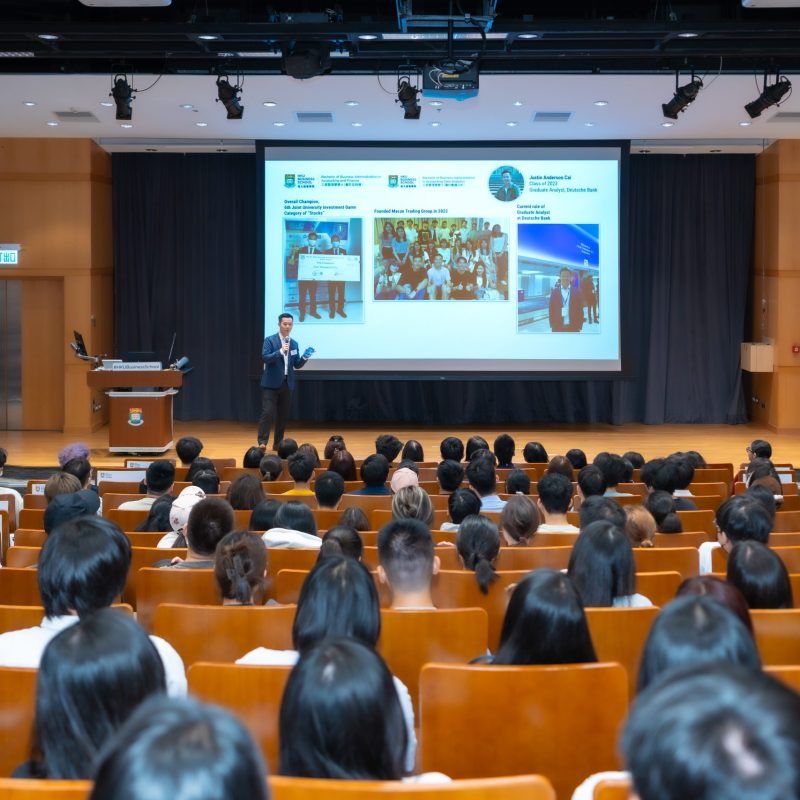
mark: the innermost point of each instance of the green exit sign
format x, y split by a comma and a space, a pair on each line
9, 255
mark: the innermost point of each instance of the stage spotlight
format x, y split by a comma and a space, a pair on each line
771, 96
407, 97
229, 97
684, 95
123, 97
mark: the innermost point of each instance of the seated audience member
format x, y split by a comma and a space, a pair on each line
158, 517
263, 516
451, 448
759, 448
519, 521
159, 478
285, 448
343, 462
450, 475
73, 450
342, 717
662, 507
462, 503
475, 443
483, 479
328, 489
695, 632
412, 451
271, 468
722, 733
252, 457
591, 482
407, 562
602, 508
562, 465
403, 478
648, 470
518, 482
207, 480
478, 545
338, 598
240, 569
7, 490
760, 575
602, 568
504, 448
555, 499
334, 443
209, 520
722, 592
577, 458
374, 472
388, 446
181, 750
82, 568
640, 527
301, 469
60, 483
636, 460
760, 468
685, 465
411, 502
697, 460
545, 623
769, 492
187, 449
312, 451
354, 517
615, 470
294, 528
82, 470
534, 453
179, 510
245, 492
200, 464
341, 541
671, 475
738, 519
92, 676
65, 507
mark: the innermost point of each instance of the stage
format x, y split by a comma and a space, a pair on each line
717, 443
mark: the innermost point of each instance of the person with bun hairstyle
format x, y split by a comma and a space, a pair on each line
640, 527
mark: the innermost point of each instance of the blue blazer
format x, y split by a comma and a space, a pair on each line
272, 377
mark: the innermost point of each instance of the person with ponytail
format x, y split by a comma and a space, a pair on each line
478, 545
240, 568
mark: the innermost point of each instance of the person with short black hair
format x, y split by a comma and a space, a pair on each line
285, 448
534, 453
615, 470
450, 475
451, 448
252, 457
760, 575
478, 545
187, 449
209, 520
635, 459
591, 482
555, 499
577, 458
263, 516
328, 489
159, 479
407, 562
474, 444
200, 464
601, 508
518, 482
519, 521
158, 517
374, 472
245, 492
82, 568
759, 448
565, 307
483, 479
207, 480
672, 475
388, 446
301, 468
504, 448
461, 504
412, 451
662, 506
294, 527
738, 518
271, 468
183, 750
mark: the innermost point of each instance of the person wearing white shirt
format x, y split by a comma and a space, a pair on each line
7, 490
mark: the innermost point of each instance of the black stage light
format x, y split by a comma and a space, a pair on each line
771, 96
229, 97
684, 95
407, 97
123, 97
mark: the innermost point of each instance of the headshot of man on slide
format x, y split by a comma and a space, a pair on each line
507, 191
281, 356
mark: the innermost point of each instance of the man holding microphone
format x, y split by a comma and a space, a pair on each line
281, 356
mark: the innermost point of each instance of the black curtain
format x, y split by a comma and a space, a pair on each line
187, 234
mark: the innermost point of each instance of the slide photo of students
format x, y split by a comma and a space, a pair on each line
506, 184
322, 270
434, 258
558, 278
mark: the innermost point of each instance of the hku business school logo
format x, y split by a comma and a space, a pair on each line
289, 180
393, 181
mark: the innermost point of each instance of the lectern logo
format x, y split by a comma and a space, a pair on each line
135, 417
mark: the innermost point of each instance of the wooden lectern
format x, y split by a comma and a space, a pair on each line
139, 421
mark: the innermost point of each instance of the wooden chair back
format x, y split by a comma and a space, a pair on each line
616, 789
448, 557
306, 499
327, 517
789, 555
146, 557
25, 789
253, 694
286, 585
558, 726
231, 473
29, 518
684, 560
686, 539
179, 486
562, 539
702, 520
185, 586
22, 556
517, 787
366, 502
530, 558
411, 639
127, 519
710, 502
145, 538
29, 538
716, 489
112, 500
721, 475
785, 521
223, 633
777, 635
784, 539
658, 587
280, 558
15, 618
17, 704
619, 634
34, 501
118, 487
19, 587
379, 517
787, 673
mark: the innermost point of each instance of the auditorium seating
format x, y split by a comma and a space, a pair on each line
17, 702
698, 521
19, 587
786, 521
14, 618
788, 674
146, 557
616, 789
22, 556
777, 635
188, 586
29, 538
530, 558
672, 559
658, 587
15, 789
495, 720
685, 539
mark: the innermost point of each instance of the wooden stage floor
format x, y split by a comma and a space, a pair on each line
231, 439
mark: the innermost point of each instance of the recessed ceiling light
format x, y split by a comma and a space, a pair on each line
589, 124
150, 150
187, 106
517, 103
126, 125
745, 124
367, 36
357, 124
528, 36
644, 151
279, 124
715, 151
601, 103
435, 104
225, 54
48, 37
667, 124
688, 35
106, 103
351, 103
201, 124
511, 124
52, 124
269, 103
28, 103
208, 37
435, 124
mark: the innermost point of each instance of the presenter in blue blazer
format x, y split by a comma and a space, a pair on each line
281, 356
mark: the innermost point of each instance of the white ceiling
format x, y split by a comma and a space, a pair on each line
633, 111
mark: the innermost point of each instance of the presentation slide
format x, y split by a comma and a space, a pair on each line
452, 259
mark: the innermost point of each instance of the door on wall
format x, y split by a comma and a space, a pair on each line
10, 355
